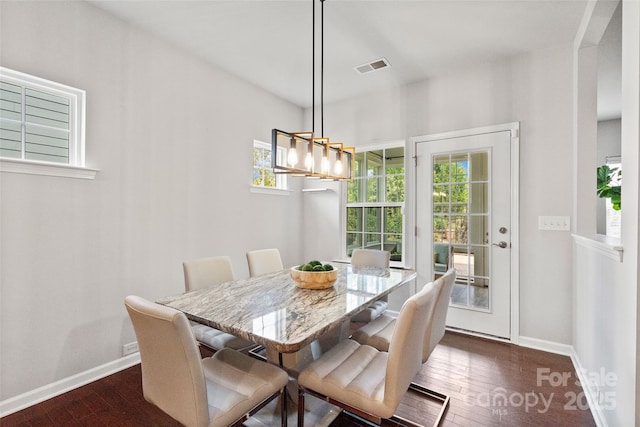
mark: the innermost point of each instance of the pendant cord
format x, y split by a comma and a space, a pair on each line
322, 68
313, 69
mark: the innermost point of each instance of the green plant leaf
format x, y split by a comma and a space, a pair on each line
604, 187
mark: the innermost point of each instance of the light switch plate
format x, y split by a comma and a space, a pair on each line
554, 223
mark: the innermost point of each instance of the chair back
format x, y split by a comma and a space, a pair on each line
204, 272
264, 261
370, 258
406, 346
444, 284
172, 374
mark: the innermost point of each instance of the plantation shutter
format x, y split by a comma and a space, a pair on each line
34, 125
10, 120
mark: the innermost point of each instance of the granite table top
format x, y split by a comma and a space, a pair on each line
271, 310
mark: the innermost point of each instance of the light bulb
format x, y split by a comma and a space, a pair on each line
308, 161
325, 164
338, 167
292, 156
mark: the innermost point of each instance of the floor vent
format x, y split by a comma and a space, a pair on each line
369, 67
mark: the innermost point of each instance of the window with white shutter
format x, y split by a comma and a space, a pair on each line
40, 121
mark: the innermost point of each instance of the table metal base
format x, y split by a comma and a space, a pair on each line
318, 413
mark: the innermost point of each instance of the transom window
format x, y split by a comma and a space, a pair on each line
40, 120
375, 202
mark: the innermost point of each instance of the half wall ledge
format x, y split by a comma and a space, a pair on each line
610, 247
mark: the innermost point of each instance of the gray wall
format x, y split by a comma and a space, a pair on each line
172, 137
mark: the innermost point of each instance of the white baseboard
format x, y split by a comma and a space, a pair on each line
17, 403
589, 393
568, 350
550, 346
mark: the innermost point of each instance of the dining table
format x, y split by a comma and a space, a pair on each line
294, 325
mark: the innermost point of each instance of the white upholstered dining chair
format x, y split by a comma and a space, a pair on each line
263, 261
216, 391
379, 333
440, 313
365, 381
370, 258
202, 273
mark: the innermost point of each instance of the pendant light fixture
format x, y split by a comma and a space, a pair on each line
306, 154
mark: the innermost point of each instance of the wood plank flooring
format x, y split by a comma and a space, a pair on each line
490, 384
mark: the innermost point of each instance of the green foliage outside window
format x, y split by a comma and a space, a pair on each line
393, 220
450, 194
395, 187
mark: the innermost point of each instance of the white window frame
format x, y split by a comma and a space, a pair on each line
403, 205
282, 183
75, 168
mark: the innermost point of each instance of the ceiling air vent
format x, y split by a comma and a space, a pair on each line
378, 64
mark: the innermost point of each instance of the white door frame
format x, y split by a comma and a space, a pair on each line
410, 205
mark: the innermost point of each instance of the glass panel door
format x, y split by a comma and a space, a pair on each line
464, 210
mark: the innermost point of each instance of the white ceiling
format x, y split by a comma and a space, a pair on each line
268, 42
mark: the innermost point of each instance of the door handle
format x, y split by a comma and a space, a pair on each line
502, 244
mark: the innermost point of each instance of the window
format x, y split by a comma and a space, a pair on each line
375, 202
40, 120
263, 175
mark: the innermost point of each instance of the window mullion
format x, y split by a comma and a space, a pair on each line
383, 211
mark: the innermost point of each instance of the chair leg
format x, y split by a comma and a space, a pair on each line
405, 422
300, 408
283, 407
283, 410
255, 353
369, 418
348, 410
442, 398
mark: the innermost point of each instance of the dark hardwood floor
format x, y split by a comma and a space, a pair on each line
490, 383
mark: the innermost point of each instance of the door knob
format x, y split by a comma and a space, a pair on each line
502, 244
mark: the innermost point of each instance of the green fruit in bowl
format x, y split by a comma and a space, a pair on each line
315, 265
